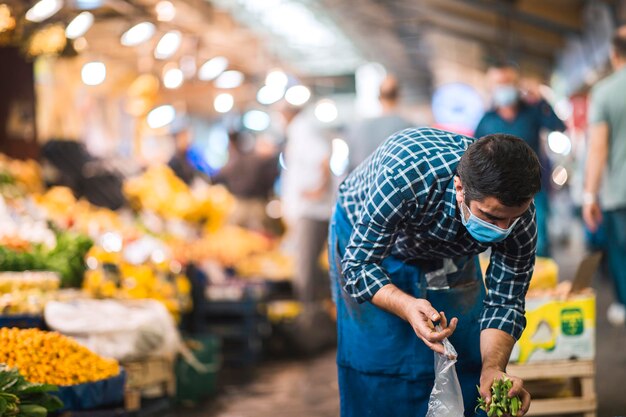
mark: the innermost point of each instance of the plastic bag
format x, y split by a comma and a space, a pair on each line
123, 330
446, 398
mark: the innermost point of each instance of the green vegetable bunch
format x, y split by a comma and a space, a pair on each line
501, 404
67, 258
20, 398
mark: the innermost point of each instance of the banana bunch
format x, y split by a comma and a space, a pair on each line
159, 190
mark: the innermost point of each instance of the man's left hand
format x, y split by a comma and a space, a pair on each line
489, 375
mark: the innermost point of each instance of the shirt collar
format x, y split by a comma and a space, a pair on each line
451, 209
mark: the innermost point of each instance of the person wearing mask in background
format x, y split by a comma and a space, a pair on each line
179, 162
370, 133
607, 156
404, 239
249, 175
308, 193
523, 118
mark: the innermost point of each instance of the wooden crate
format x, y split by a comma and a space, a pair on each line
580, 373
149, 374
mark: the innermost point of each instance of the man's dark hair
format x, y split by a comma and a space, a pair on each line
503, 64
501, 166
619, 42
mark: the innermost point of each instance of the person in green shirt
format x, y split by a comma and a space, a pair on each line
604, 198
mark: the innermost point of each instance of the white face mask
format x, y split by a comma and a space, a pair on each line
482, 230
505, 95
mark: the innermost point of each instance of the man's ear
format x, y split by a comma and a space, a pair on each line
458, 187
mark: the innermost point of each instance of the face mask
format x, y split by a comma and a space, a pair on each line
484, 231
505, 95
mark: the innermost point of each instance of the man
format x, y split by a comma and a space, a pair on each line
307, 197
249, 175
524, 119
607, 153
404, 238
369, 134
179, 162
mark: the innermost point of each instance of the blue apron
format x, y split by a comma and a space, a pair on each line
384, 368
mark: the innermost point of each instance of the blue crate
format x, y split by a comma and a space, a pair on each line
92, 395
22, 321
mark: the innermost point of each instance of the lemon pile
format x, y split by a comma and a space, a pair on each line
51, 358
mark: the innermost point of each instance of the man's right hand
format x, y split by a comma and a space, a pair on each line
422, 317
592, 215
418, 312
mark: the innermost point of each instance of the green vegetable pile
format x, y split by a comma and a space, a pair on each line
67, 258
20, 398
501, 404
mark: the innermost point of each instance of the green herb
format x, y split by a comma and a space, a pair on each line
20, 398
501, 404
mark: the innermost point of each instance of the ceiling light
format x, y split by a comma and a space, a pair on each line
256, 120
88, 4
326, 111
269, 95
559, 143
161, 116
297, 95
168, 45
223, 103
188, 66
277, 78
138, 34
173, 78
212, 68
93, 73
559, 175
80, 44
229, 79
165, 11
339, 158
43, 9
79, 25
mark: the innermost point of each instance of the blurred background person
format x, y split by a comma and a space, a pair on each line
307, 197
367, 135
249, 174
307, 191
179, 162
523, 118
607, 156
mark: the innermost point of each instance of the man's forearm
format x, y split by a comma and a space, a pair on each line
596, 158
392, 299
495, 348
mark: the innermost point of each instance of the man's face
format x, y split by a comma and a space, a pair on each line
489, 209
499, 77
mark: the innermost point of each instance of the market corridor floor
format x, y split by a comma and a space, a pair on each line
284, 388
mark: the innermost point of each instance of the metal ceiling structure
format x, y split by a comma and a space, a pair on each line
406, 36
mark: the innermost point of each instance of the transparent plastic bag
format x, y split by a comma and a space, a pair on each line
446, 398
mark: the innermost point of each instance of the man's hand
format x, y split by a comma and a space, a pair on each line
422, 317
418, 312
489, 375
592, 215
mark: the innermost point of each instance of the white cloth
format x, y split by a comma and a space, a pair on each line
306, 156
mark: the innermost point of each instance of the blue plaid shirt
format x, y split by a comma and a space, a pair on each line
401, 201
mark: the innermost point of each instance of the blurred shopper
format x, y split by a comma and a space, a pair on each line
404, 241
179, 162
370, 133
607, 156
307, 196
249, 175
523, 118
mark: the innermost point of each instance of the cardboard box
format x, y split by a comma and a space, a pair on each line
561, 327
